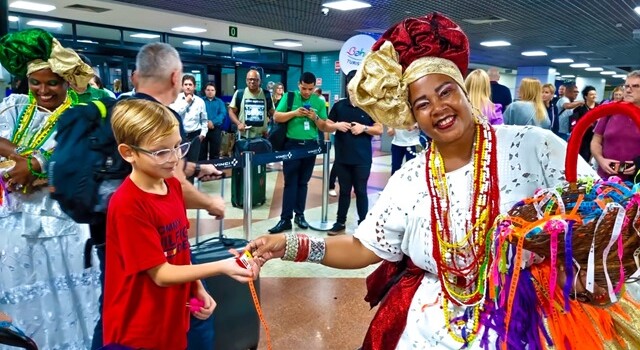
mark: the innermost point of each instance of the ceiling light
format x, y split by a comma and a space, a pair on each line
623, 76
243, 49
594, 69
87, 41
287, 43
195, 71
13, 19
534, 53
581, 52
45, 24
495, 43
145, 36
568, 76
346, 5
33, 6
190, 30
609, 72
558, 73
579, 65
195, 43
637, 9
562, 60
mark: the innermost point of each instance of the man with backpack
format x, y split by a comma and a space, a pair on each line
158, 78
251, 106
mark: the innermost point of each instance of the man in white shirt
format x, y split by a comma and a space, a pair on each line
193, 112
565, 106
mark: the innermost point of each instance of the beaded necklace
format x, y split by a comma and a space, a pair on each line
42, 135
463, 264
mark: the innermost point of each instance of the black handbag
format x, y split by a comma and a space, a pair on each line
277, 135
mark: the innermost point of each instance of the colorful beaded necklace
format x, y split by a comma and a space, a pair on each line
23, 124
463, 264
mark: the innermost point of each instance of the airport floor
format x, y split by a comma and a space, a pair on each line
306, 306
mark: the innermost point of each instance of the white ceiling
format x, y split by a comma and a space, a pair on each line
146, 18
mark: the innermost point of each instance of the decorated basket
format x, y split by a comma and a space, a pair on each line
585, 225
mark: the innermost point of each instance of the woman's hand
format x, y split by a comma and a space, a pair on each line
209, 304
20, 176
608, 165
267, 247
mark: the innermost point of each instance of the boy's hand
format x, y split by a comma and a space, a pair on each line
238, 273
209, 304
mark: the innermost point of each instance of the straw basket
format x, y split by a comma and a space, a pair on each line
583, 220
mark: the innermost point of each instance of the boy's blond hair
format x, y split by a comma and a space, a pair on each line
136, 121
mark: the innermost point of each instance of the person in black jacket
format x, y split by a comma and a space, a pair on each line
589, 96
499, 93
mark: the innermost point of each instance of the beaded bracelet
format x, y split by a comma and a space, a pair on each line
32, 171
291, 246
300, 247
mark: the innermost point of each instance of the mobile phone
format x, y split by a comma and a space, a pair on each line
615, 166
307, 106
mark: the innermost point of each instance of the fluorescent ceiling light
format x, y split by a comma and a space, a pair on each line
195, 42
562, 60
637, 9
87, 41
568, 76
45, 24
581, 52
346, 5
534, 53
145, 36
594, 69
609, 72
287, 43
579, 65
195, 71
33, 6
558, 73
190, 30
495, 43
13, 19
623, 76
243, 49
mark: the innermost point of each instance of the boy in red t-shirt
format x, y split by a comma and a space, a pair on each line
149, 277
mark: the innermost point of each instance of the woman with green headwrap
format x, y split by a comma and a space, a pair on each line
43, 284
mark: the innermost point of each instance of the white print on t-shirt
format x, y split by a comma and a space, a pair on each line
254, 111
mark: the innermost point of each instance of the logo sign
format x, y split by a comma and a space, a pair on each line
318, 81
233, 31
353, 51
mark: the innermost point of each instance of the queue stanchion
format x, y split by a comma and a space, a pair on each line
247, 189
323, 224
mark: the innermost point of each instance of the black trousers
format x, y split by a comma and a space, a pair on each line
297, 173
353, 176
210, 147
194, 150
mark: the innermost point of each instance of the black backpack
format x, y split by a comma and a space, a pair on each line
277, 133
86, 168
267, 97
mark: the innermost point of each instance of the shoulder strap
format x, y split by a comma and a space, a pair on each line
268, 99
239, 96
290, 97
101, 107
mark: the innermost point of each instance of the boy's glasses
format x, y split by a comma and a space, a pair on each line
165, 155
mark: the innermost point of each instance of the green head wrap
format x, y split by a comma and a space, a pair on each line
31, 50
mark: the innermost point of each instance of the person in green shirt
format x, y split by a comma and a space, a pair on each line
88, 93
308, 115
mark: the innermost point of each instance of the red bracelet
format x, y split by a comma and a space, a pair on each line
303, 248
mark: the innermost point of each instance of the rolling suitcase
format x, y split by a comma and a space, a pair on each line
258, 174
236, 322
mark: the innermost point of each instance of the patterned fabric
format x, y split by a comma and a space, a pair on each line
399, 223
43, 283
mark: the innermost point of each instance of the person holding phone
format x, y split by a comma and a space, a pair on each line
616, 140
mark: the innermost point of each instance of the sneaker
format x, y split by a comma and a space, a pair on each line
337, 229
333, 193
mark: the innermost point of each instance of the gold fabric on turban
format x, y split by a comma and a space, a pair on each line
381, 89
66, 63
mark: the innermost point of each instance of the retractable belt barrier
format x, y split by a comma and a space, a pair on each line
266, 158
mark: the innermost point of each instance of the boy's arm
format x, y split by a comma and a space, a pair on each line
165, 275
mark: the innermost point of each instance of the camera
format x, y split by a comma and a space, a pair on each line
325, 11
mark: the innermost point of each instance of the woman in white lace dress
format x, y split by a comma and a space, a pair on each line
44, 285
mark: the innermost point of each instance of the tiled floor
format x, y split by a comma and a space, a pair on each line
307, 306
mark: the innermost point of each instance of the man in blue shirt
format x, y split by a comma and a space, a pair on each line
216, 112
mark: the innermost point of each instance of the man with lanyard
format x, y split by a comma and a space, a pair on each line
251, 107
216, 111
308, 114
158, 72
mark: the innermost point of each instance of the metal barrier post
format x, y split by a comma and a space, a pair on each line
323, 224
247, 205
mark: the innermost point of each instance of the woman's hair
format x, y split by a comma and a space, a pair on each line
479, 89
136, 121
98, 82
277, 85
587, 89
550, 87
531, 90
117, 85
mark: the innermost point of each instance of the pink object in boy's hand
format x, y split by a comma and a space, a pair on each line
195, 304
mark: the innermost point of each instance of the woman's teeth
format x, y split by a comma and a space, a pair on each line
445, 121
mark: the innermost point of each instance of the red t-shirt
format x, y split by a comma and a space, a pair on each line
145, 230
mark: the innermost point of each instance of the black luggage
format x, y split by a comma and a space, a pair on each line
236, 322
258, 174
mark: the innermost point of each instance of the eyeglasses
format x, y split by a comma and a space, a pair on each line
165, 155
632, 86
253, 79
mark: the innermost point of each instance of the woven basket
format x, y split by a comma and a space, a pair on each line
531, 218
